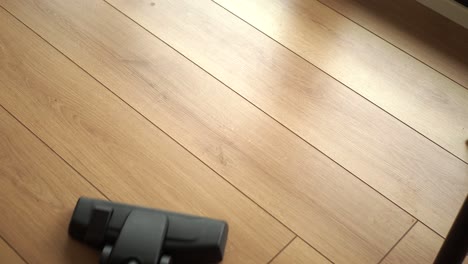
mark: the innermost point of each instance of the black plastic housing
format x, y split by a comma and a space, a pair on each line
189, 239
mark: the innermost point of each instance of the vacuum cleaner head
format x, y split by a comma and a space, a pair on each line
129, 234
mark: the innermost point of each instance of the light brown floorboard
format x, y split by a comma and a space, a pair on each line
37, 197
117, 149
8, 255
414, 28
401, 85
407, 168
308, 192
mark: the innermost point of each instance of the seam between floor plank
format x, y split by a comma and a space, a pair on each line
303, 240
290, 242
398, 242
14, 249
307, 61
377, 35
308, 244
281, 250
235, 187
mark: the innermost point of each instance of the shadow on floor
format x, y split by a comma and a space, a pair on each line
411, 17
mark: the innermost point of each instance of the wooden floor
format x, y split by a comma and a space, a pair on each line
330, 131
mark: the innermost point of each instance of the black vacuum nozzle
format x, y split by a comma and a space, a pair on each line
129, 234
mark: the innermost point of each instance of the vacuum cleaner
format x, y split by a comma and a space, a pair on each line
128, 234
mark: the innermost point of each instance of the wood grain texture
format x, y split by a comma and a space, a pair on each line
8, 255
409, 90
414, 28
420, 245
117, 149
39, 192
407, 168
297, 184
298, 252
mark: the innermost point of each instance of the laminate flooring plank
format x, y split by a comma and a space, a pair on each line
297, 184
8, 255
117, 150
419, 31
37, 197
419, 96
404, 166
